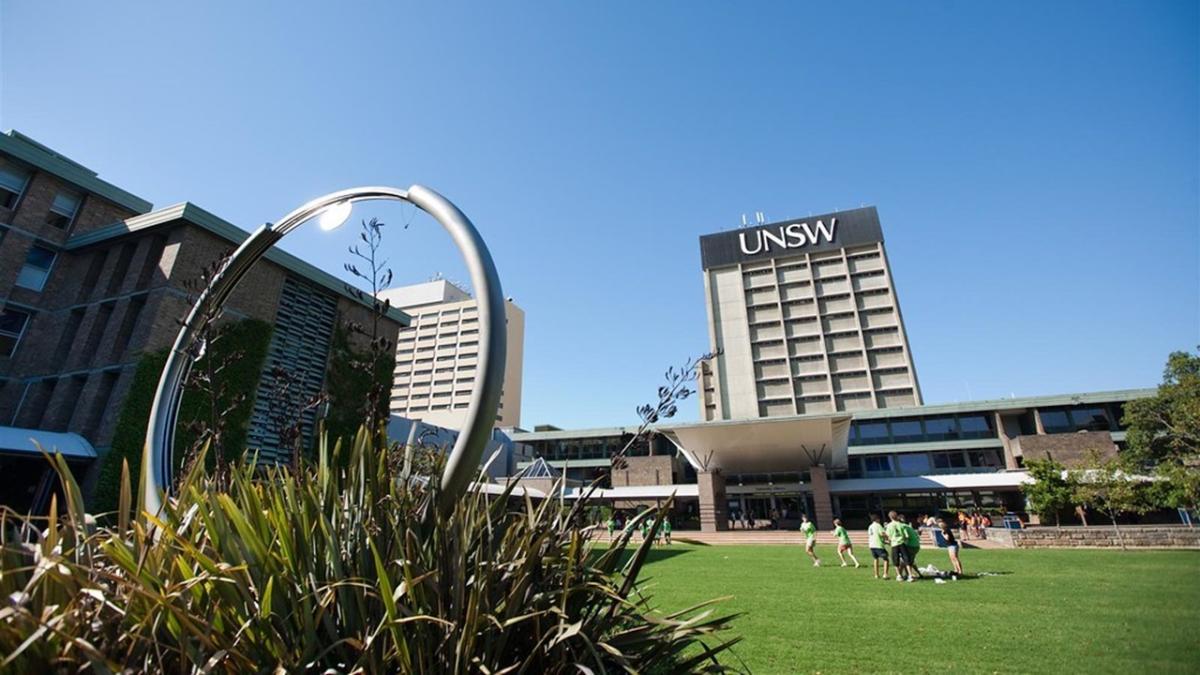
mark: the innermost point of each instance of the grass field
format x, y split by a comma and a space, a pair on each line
1063, 611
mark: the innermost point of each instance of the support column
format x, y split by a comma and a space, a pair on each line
713, 503
822, 502
1010, 459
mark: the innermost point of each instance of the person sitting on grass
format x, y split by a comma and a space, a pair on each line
912, 541
897, 538
879, 552
810, 539
951, 545
844, 546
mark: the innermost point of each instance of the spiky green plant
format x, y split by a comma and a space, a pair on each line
334, 567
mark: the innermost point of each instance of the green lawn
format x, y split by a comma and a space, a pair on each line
1064, 611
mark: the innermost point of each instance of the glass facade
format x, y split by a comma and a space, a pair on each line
922, 429
1081, 418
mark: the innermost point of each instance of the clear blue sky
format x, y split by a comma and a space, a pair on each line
1036, 165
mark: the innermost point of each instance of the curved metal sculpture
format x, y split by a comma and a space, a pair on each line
157, 455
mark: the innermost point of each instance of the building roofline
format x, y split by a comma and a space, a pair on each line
28, 150
911, 411
195, 215
1009, 403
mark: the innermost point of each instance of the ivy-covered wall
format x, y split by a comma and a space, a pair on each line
250, 338
348, 385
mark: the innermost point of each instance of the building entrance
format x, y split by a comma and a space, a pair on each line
776, 510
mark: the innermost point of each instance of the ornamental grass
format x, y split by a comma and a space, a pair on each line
341, 565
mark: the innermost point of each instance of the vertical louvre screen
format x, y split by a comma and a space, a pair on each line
299, 345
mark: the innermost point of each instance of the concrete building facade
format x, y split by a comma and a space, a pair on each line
805, 316
437, 356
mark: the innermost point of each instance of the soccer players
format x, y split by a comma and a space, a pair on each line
844, 546
897, 538
875, 535
810, 538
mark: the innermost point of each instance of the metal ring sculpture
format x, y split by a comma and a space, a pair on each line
463, 462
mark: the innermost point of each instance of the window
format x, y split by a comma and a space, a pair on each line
63, 209
871, 432
12, 326
1091, 419
908, 431
914, 464
984, 458
940, 428
33, 274
1055, 421
13, 180
877, 464
975, 426
949, 460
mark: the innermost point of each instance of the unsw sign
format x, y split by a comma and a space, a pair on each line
792, 237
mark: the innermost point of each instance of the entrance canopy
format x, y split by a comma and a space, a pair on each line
33, 441
764, 445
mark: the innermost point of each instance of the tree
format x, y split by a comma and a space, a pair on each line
1107, 486
1166, 426
1052, 491
1163, 433
1177, 485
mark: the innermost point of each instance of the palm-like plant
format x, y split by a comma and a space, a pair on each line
333, 566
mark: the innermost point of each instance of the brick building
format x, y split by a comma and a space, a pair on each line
92, 280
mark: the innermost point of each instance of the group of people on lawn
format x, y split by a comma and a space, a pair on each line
614, 524
903, 540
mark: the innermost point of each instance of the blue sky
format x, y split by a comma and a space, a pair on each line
1036, 166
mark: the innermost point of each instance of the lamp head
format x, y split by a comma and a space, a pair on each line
334, 215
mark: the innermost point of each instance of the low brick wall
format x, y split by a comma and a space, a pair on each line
1098, 536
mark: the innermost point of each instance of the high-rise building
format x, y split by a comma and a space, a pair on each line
805, 316
438, 354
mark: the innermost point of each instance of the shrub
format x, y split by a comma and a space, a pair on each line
337, 566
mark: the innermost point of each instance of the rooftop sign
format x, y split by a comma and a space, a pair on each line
791, 237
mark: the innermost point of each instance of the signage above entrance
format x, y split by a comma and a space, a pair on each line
791, 237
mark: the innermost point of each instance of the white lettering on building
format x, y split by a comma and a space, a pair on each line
795, 235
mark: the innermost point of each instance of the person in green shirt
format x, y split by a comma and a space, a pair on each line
844, 546
897, 537
912, 541
810, 538
666, 530
879, 552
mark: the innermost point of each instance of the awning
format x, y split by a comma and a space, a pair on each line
950, 481
764, 445
26, 442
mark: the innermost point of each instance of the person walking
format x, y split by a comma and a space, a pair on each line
951, 545
844, 546
897, 538
810, 538
612, 526
875, 535
666, 531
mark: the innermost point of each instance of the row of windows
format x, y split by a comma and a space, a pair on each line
923, 463
34, 409
1087, 418
14, 179
919, 429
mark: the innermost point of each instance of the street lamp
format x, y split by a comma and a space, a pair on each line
331, 211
